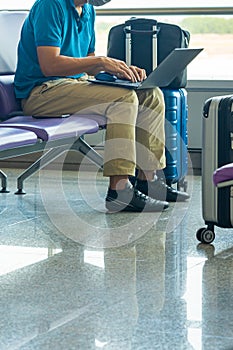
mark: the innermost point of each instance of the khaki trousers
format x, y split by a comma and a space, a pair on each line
135, 119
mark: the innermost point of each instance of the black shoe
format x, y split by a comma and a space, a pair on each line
160, 190
132, 200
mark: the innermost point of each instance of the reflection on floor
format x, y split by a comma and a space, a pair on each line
74, 277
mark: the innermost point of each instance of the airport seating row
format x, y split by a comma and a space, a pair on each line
22, 135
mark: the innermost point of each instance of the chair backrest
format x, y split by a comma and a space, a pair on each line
10, 27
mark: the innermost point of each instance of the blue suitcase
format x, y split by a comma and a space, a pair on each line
176, 117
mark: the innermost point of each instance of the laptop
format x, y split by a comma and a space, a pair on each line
162, 75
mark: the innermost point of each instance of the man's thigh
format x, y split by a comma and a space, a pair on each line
72, 96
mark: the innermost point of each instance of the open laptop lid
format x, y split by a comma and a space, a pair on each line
162, 75
170, 67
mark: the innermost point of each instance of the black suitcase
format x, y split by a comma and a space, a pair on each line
138, 34
150, 42
217, 151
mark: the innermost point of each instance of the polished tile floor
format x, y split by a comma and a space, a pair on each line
74, 277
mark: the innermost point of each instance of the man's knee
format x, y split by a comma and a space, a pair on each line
151, 98
129, 96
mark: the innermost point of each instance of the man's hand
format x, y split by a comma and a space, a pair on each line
122, 71
139, 73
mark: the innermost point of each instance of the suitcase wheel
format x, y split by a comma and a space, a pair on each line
205, 235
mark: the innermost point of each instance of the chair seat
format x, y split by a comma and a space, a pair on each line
222, 174
51, 129
13, 138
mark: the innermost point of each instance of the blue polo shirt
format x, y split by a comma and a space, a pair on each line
52, 23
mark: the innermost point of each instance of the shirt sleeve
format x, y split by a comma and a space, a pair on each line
48, 23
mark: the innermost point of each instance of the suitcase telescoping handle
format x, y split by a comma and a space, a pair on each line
128, 43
